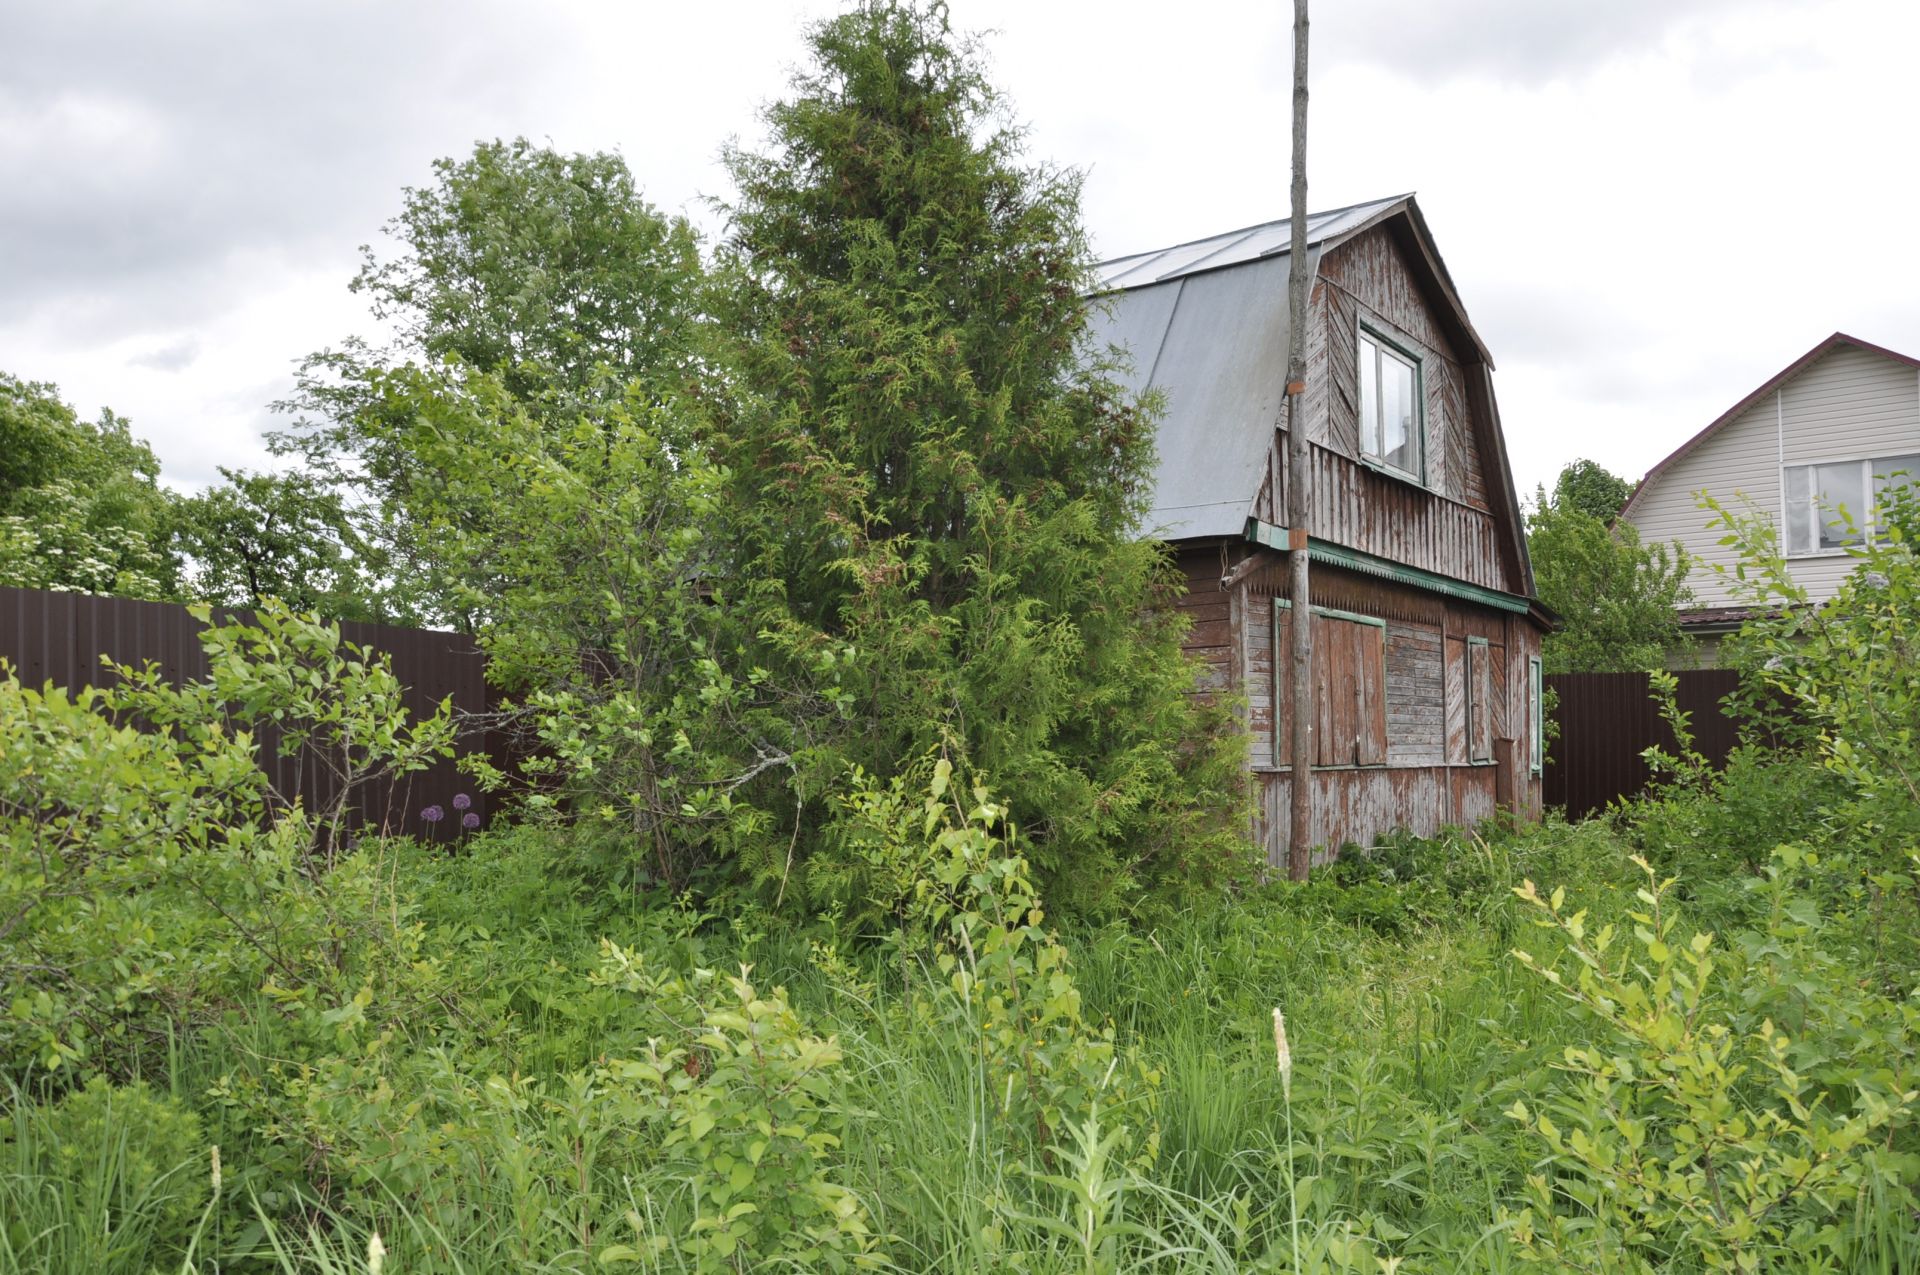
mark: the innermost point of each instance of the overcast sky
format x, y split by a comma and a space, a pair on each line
1649, 206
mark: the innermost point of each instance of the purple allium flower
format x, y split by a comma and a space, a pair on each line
433, 814
461, 801
470, 820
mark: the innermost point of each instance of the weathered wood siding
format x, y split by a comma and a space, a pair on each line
1446, 525
1369, 279
1209, 612
1847, 404
1430, 648
1428, 779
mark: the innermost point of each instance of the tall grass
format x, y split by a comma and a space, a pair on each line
1411, 1030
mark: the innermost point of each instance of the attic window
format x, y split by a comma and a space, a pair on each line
1390, 418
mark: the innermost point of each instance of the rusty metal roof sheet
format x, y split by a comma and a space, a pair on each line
1213, 339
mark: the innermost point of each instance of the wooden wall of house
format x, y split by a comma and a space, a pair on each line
1446, 526
1430, 779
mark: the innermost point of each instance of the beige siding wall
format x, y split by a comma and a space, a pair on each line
1849, 403
1740, 462
1853, 402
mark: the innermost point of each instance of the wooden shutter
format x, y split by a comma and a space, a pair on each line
1536, 718
1479, 701
1350, 689
1282, 684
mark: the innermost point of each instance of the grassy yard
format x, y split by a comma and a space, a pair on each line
474, 1099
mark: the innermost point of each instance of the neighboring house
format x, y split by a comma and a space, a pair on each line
1426, 626
1810, 449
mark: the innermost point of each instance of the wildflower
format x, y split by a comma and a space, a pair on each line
1281, 1053
470, 820
433, 814
461, 801
376, 1254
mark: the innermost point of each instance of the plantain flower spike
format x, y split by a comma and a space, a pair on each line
1281, 1054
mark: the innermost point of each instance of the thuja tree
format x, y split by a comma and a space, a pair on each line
940, 476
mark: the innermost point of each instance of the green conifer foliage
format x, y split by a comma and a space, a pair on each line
938, 470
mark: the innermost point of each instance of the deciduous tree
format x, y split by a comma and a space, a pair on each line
81, 506
1619, 598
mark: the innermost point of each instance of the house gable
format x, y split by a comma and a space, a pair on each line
1370, 279
1206, 324
1843, 400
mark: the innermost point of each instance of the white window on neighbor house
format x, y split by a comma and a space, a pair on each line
1391, 429
1829, 506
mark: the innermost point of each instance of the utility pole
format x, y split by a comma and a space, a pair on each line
1299, 481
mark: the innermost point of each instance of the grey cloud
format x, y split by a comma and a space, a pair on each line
1548, 321
157, 152
1526, 42
169, 358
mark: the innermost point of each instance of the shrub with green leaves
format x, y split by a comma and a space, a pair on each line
1685, 1130
149, 874
1850, 664
1005, 990
746, 1091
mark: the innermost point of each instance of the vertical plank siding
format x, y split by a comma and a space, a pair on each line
1425, 780
61, 638
1396, 745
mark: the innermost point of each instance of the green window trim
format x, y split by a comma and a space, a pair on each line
1537, 745
1286, 604
1474, 699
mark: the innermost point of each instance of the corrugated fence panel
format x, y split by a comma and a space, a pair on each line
61, 637
1606, 720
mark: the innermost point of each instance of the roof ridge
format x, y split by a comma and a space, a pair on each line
1258, 225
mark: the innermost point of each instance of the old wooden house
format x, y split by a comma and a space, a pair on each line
1426, 637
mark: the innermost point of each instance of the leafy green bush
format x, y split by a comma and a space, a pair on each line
746, 1090
149, 874
1690, 1131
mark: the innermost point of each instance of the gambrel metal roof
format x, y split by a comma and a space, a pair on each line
1214, 340
1234, 247
1205, 323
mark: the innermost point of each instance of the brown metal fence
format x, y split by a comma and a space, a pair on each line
61, 637
1606, 720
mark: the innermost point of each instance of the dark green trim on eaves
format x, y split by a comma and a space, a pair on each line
1272, 537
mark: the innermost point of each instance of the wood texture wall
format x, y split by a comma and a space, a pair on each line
1446, 525
1429, 779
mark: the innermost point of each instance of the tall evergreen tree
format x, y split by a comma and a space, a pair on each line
945, 476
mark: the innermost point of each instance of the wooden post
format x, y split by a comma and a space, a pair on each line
1299, 480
